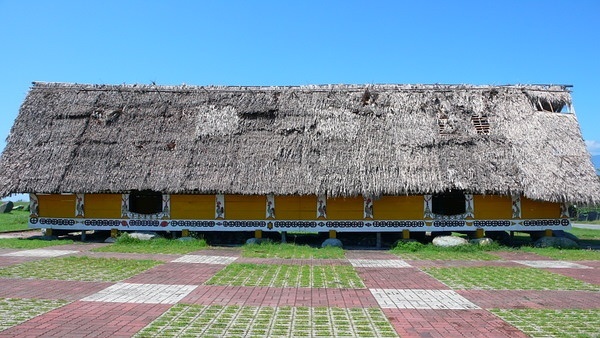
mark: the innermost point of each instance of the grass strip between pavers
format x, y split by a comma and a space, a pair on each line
553, 323
14, 311
506, 278
24, 243
184, 320
242, 274
127, 244
76, 268
290, 251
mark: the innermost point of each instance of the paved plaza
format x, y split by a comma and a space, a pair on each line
395, 297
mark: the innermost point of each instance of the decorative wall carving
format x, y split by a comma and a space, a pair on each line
270, 211
322, 206
219, 206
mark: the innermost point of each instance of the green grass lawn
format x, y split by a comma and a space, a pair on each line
24, 243
553, 323
585, 233
507, 278
79, 269
588, 222
587, 238
318, 276
418, 251
158, 245
14, 220
283, 250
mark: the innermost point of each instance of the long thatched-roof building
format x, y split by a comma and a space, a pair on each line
334, 157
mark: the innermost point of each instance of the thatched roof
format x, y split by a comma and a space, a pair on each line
338, 140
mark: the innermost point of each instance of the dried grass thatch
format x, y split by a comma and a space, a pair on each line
337, 140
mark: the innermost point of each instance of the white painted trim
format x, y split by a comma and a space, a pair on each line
300, 225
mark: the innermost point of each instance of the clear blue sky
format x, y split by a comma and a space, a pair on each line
300, 42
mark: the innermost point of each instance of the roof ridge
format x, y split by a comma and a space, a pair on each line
310, 87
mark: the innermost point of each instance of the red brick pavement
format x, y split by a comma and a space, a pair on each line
122, 255
591, 276
532, 299
455, 263
593, 264
95, 319
177, 274
369, 254
280, 261
519, 255
5, 250
398, 278
226, 252
268, 296
12, 260
49, 289
123, 320
76, 246
450, 323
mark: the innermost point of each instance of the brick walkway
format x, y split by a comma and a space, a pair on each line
414, 303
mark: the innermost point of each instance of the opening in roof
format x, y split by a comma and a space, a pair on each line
443, 124
549, 106
566, 109
481, 124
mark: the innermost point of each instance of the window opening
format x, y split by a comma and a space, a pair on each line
449, 203
145, 202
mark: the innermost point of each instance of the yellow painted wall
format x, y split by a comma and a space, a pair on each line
241, 207
398, 207
538, 209
56, 205
296, 207
345, 208
238, 207
492, 207
102, 205
193, 207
